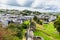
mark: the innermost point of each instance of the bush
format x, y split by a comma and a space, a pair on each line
16, 30
25, 24
37, 20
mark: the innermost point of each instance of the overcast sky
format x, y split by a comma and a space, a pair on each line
43, 5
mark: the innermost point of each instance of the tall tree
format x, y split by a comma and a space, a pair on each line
57, 24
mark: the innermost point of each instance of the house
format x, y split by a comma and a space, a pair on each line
52, 18
47, 18
19, 21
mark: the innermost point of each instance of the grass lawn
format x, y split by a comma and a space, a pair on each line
49, 27
49, 33
39, 33
51, 30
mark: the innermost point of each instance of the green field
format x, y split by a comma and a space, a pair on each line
48, 33
40, 33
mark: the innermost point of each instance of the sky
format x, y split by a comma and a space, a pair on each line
39, 5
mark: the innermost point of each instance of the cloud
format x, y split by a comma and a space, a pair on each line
21, 2
12, 3
46, 4
26, 3
36, 3
42, 5
3, 1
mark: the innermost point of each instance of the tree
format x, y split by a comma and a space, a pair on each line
35, 18
19, 32
37, 13
57, 24
26, 12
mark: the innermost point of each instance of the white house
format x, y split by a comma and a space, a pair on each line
52, 18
